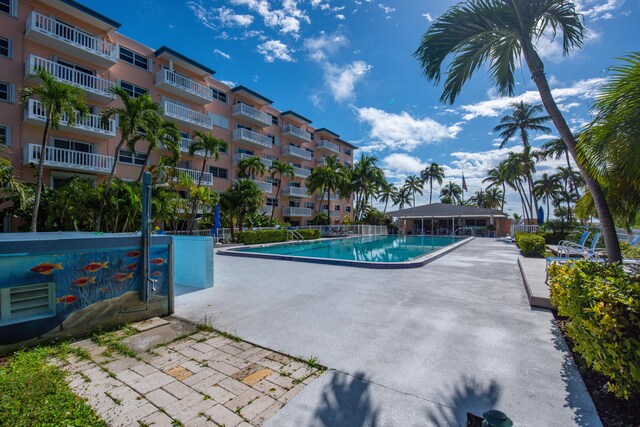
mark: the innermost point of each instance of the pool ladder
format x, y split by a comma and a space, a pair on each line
294, 235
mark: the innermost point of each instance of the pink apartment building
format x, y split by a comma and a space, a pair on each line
82, 47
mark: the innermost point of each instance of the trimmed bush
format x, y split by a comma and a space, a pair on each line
602, 303
310, 233
552, 237
530, 245
254, 237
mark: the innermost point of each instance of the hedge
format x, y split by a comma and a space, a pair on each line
531, 245
602, 303
253, 237
309, 233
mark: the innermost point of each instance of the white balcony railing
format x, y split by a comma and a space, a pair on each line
328, 145
72, 37
301, 173
295, 192
90, 83
267, 210
90, 123
238, 157
299, 153
263, 185
295, 212
332, 213
267, 162
68, 159
252, 114
185, 146
207, 178
321, 161
178, 81
188, 115
296, 132
252, 137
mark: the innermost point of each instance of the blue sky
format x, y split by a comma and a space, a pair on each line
348, 65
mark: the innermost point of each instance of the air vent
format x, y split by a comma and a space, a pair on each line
28, 302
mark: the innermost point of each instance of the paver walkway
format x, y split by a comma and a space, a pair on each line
203, 379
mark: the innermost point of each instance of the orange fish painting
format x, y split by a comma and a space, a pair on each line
132, 266
133, 254
81, 281
156, 273
92, 267
121, 277
67, 299
157, 261
46, 268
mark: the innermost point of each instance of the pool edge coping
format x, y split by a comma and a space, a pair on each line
415, 263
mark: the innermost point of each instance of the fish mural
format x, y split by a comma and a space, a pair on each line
67, 299
121, 277
158, 261
81, 281
92, 267
133, 254
132, 266
46, 268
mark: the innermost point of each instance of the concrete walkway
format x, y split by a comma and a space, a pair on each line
405, 347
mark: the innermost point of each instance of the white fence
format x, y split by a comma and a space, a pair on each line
516, 228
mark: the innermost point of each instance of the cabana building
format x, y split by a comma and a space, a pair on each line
445, 219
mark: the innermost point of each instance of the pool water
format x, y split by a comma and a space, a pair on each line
363, 249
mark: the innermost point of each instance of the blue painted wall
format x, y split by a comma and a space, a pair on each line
196, 259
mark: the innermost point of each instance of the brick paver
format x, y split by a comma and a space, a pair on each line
204, 379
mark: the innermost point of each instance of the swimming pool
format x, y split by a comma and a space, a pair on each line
363, 251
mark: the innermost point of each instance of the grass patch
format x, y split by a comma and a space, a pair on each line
35, 393
111, 340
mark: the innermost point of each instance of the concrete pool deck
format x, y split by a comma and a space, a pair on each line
411, 347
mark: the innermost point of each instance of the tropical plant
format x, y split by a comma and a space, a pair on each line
500, 32
498, 176
386, 193
451, 193
241, 200
278, 171
137, 117
402, 198
546, 188
556, 148
493, 198
251, 167
415, 185
11, 187
60, 101
365, 180
165, 134
433, 172
326, 179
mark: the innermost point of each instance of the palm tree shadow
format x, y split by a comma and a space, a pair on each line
467, 396
346, 402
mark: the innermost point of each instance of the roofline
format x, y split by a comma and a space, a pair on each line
254, 93
92, 12
293, 113
325, 130
170, 51
348, 143
392, 214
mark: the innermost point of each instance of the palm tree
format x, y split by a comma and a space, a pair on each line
165, 134
386, 192
500, 32
546, 189
498, 176
326, 179
556, 148
251, 167
451, 193
59, 101
137, 117
367, 176
402, 198
242, 199
493, 198
278, 171
414, 185
433, 172
515, 177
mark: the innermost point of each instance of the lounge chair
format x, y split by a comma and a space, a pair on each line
635, 241
569, 248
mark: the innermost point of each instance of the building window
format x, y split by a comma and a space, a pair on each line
336, 208
218, 172
6, 92
4, 135
272, 138
324, 207
5, 47
274, 120
133, 90
347, 208
310, 205
28, 302
66, 144
272, 201
132, 158
218, 95
347, 151
134, 58
5, 6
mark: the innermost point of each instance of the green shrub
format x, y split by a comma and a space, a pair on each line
602, 303
310, 234
552, 237
530, 244
254, 237
629, 251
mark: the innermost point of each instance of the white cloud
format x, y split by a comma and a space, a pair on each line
286, 20
340, 17
387, 10
403, 163
342, 79
214, 18
429, 16
229, 83
598, 9
319, 48
402, 131
222, 54
275, 50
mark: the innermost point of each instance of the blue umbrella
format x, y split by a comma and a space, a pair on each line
216, 221
541, 216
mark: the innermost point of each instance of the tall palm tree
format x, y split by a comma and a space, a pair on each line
451, 193
556, 148
326, 179
251, 167
137, 117
493, 198
386, 192
500, 32
278, 171
414, 185
498, 176
367, 176
165, 134
546, 189
59, 101
515, 178
402, 198
433, 172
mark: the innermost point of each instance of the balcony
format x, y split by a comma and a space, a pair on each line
334, 197
90, 125
249, 114
296, 133
185, 146
296, 152
301, 173
183, 87
266, 187
71, 160
266, 210
207, 178
321, 161
324, 145
332, 213
187, 116
297, 212
72, 41
295, 192
267, 162
252, 138
97, 89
